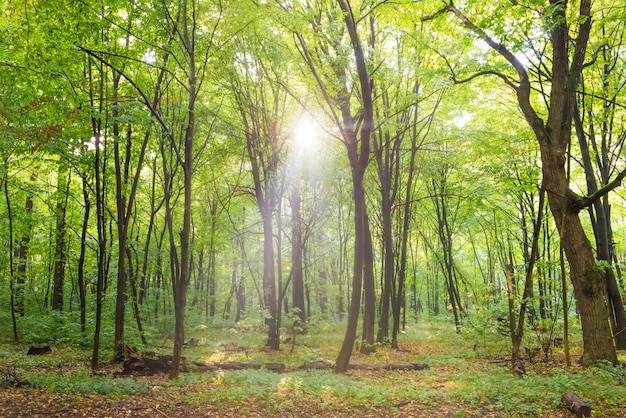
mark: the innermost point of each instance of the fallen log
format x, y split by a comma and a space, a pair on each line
275, 367
204, 367
575, 405
389, 366
238, 365
317, 365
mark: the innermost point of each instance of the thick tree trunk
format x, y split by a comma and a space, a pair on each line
586, 276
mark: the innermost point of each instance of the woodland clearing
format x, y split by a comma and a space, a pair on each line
469, 376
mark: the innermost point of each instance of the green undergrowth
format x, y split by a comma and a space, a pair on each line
467, 372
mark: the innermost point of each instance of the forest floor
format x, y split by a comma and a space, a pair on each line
468, 377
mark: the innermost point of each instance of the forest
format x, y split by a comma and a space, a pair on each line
356, 181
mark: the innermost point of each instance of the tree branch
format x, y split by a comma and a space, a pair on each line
504, 78
152, 107
439, 12
587, 201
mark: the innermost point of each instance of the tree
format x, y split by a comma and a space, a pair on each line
334, 79
554, 136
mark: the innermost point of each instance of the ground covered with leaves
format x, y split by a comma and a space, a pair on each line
466, 378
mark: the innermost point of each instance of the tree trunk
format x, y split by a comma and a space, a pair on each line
21, 253
122, 231
63, 184
297, 285
586, 277
100, 191
16, 337
269, 281
389, 260
82, 292
212, 279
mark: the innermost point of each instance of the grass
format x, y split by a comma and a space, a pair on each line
465, 376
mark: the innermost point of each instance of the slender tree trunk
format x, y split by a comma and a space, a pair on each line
63, 184
445, 238
369, 289
122, 232
269, 281
21, 252
100, 191
212, 278
297, 285
212, 281
82, 292
16, 337
565, 308
385, 150
510, 292
389, 263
